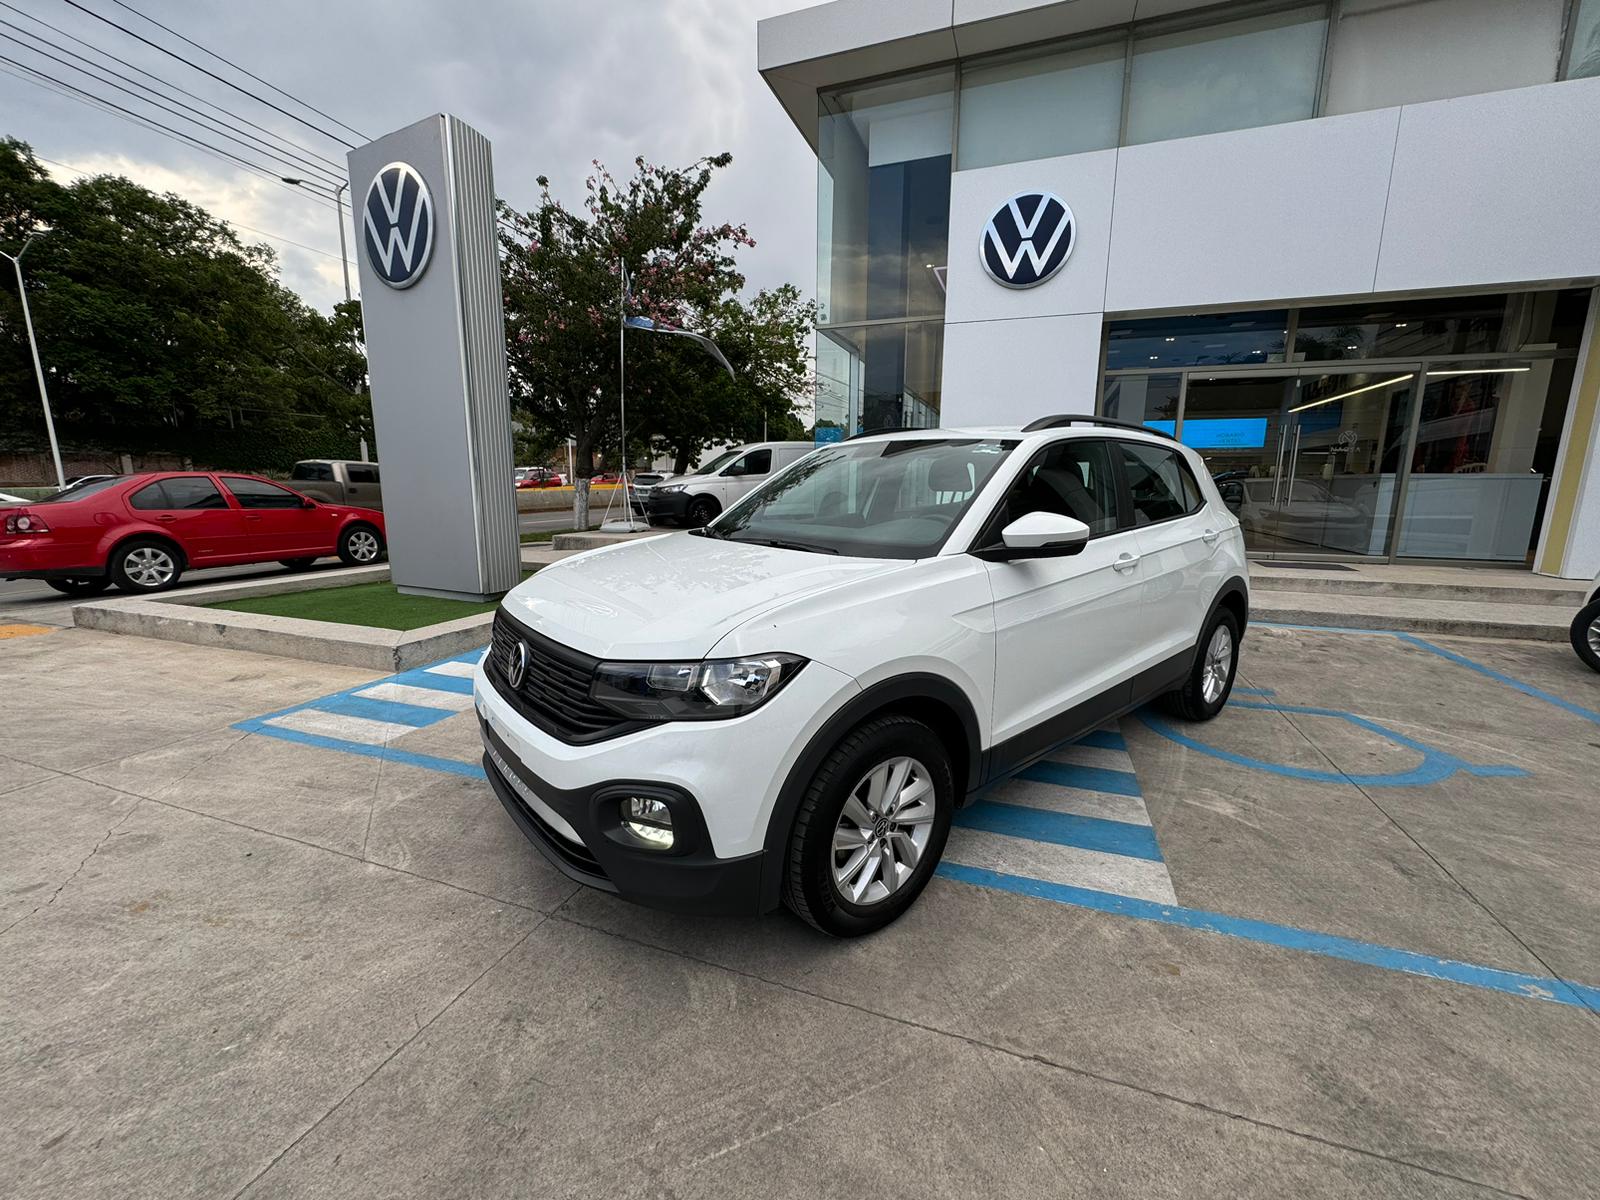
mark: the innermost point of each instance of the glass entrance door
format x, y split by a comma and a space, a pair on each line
1309, 461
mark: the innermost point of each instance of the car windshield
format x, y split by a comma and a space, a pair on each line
721, 460
78, 491
895, 499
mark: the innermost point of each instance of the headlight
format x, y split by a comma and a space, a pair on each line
668, 487
693, 691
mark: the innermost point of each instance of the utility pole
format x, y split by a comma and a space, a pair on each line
344, 257
38, 367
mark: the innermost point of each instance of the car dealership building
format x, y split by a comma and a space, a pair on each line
1347, 250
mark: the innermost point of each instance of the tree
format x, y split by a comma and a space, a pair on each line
159, 328
563, 287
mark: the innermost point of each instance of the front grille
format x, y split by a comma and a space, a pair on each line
555, 692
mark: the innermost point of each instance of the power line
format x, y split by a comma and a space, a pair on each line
212, 74
206, 123
287, 143
241, 70
40, 79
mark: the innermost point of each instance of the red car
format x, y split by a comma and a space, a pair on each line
141, 532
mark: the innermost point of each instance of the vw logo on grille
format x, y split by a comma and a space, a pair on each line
398, 225
1027, 240
517, 666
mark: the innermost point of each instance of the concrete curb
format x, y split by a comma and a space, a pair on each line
183, 618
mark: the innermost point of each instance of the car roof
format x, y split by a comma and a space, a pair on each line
1084, 426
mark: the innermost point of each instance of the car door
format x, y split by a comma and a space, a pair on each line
196, 514
744, 473
363, 488
1066, 628
278, 522
1177, 536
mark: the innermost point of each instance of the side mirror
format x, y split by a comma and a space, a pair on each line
1233, 496
306, 502
1040, 535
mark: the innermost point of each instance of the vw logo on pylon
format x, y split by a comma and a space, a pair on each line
398, 225
1028, 239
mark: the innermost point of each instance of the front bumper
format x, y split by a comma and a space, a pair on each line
666, 506
720, 778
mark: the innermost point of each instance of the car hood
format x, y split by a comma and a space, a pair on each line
673, 596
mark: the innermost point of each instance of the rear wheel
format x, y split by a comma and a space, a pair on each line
296, 564
1586, 634
871, 827
702, 511
88, 586
360, 546
146, 565
1210, 680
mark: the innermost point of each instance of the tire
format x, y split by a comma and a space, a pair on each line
146, 565
91, 585
702, 511
360, 545
821, 886
1586, 634
296, 564
1210, 681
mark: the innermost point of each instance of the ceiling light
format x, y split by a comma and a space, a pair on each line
1481, 371
1352, 392
1173, 339
1401, 324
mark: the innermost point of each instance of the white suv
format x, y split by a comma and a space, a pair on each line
698, 498
788, 705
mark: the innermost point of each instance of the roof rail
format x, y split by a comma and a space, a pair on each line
1061, 420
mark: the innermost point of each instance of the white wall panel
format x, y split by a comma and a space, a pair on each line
1387, 54
1009, 372
1253, 215
1495, 189
1085, 182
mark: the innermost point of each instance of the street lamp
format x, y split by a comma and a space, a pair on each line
338, 202
38, 368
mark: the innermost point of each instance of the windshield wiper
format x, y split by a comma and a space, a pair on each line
706, 531
782, 545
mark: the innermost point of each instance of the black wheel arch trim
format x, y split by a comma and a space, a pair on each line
916, 686
150, 536
1235, 586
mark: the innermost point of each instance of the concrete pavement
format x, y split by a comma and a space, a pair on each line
242, 966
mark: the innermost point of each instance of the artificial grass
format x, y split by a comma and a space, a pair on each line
377, 605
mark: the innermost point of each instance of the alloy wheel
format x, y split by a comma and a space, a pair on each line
363, 546
1218, 665
1594, 636
149, 566
883, 830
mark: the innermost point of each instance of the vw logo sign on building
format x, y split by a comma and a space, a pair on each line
1028, 239
398, 225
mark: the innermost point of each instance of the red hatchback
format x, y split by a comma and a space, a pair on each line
141, 532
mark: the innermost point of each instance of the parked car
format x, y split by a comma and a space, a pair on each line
339, 481
696, 499
789, 705
142, 532
537, 477
1586, 628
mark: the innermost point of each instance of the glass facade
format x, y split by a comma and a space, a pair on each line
1583, 41
1416, 429
1040, 106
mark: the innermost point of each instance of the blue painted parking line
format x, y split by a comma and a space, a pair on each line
1326, 945
1091, 779
1103, 739
388, 753
414, 715
1061, 829
424, 678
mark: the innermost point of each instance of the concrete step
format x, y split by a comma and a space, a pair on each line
595, 539
1457, 618
1569, 596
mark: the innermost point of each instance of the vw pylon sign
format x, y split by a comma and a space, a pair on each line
1028, 239
398, 225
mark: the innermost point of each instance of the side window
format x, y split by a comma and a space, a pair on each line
1155, 481
258, 493
1193, 498
757, 462
192, 491
320, 472
149, 496
1073, 478
362, 474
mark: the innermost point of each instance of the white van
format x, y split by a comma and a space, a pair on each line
699, 498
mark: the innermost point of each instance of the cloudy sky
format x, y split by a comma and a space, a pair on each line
552, 83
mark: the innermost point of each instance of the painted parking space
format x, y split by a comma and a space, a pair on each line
1072, 829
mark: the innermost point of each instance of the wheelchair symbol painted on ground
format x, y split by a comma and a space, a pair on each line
1436, 764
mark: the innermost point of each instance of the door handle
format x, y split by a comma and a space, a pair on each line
1209, 537
167, 517
252, 516
1125, 562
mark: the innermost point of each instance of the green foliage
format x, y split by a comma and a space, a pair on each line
562, 291
159, 328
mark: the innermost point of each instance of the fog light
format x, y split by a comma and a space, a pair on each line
648, 820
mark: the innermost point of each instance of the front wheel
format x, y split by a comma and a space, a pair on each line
360, 546
702, 511
1210, 680
871, 827
1586, 634
88, 586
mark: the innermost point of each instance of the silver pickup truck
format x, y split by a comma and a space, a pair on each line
339, 481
